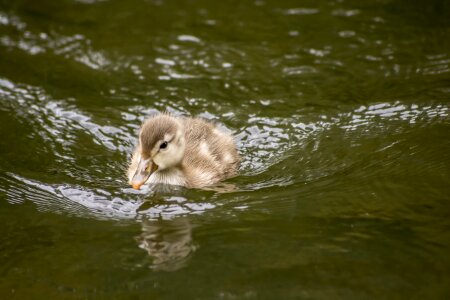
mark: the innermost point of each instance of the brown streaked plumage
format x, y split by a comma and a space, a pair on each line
182, 151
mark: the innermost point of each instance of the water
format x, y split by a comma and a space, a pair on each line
340, 110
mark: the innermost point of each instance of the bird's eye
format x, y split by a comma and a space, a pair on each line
163, 145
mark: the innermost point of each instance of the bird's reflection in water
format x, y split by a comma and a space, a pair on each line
168, 242
168, 239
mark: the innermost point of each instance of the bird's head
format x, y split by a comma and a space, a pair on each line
161, 146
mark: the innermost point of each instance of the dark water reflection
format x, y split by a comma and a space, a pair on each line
340, 110
168, 243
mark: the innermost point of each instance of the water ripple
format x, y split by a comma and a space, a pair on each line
279, 148
57, 120
98, 202
270, 146
76, 47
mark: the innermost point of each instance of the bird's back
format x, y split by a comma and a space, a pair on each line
210, 154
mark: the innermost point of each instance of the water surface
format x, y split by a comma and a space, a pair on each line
340, 110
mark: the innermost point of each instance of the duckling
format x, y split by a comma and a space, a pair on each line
182, 151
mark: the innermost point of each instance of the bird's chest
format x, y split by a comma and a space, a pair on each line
172, 176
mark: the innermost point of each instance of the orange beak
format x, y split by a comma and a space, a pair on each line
146, 167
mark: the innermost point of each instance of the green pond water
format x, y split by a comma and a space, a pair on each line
340, 110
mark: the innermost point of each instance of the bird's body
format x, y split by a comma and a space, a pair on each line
189, 152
